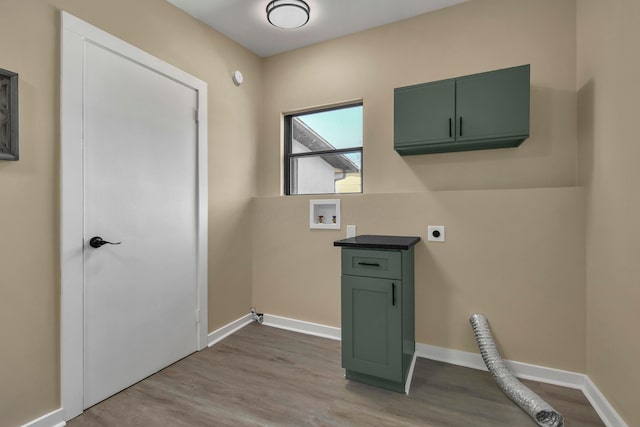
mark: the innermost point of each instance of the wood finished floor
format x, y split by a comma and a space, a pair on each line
262, 376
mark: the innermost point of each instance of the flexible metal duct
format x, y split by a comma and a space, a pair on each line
531, 403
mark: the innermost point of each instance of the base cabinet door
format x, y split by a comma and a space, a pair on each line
371, 326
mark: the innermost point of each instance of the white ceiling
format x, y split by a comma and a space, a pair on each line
245, 21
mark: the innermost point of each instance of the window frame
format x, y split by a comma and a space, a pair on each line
288, 146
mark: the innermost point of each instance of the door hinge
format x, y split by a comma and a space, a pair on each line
197, 316
195, 116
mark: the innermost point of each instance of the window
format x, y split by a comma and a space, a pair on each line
323, 151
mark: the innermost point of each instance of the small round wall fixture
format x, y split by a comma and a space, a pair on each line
237, 78
288, 14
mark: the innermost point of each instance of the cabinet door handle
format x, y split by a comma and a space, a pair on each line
393, 294
369, 264
450, 127
460, 125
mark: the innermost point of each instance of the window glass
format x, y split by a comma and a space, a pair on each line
326, 173
333, 129
323, 151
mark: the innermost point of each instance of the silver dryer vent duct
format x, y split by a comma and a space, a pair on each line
543, 414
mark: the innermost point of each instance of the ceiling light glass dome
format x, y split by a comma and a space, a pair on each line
288, 14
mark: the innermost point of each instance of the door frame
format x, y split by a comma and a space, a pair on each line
74, 34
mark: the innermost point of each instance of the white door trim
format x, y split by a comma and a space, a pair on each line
75, 33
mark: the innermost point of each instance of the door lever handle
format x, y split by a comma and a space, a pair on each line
97, 242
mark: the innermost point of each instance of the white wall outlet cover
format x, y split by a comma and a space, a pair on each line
237, 78
351, 231
435, 233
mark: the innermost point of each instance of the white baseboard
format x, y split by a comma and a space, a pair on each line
52, 419
223, 332
407, 385
522, 370
543, 374
519, 369
302, 327
56, 418
456, 357
602, 406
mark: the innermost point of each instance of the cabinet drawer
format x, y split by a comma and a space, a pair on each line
372, 263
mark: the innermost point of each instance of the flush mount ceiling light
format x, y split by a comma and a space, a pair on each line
288, 13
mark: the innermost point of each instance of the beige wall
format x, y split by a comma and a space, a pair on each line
29, 201
608, 88
514, 255
515, 237
515, 220
472, 37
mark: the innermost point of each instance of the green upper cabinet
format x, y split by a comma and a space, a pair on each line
481, 111
494, 105
425, 113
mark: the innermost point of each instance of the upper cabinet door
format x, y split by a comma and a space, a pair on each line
493, 105
424, 113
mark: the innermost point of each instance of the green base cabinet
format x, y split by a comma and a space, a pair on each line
477, 112
372, 321
378, 331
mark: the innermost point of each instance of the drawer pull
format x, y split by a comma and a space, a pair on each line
369, 264
393, 294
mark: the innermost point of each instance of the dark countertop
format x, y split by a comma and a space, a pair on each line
372, 241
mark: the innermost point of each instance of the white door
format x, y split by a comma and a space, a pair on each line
140, 189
